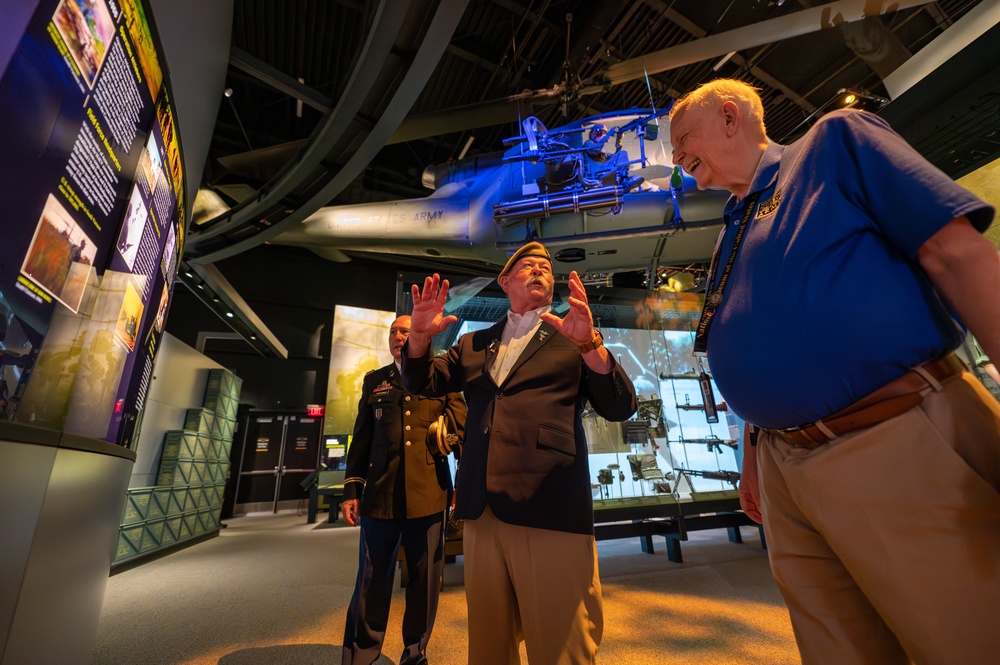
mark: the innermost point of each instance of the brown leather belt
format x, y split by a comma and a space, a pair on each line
892, 399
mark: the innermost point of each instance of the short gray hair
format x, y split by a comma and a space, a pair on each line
723, 90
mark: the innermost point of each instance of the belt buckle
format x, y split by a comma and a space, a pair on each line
802, 430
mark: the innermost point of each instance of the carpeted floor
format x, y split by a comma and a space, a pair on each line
272, 590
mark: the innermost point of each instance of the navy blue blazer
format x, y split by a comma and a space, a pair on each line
525, 451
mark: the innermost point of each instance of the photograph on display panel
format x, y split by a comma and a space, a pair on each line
87, 28
358, 346
142, 37
61, 256
129, 317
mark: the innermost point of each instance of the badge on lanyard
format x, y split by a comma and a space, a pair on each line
708, 398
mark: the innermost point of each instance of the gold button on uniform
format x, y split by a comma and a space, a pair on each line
408, 443
407, 428
407, 413
407, 398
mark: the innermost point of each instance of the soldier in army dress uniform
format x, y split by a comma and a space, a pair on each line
397, 485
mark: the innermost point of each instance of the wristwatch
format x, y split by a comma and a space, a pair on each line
596, 341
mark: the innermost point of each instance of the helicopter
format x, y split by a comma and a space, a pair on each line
599, 192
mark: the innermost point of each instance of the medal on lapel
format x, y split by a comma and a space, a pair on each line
542, 334
494, 345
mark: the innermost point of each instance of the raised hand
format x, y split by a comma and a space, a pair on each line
427, 318
428, 307
578, 324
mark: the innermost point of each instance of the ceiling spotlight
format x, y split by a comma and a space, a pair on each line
229, 314
228, 92
865, 101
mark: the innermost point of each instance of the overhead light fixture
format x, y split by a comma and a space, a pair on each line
219, 296
842, 99
860, 99
723, 61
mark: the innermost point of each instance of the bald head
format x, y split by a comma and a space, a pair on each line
399, 332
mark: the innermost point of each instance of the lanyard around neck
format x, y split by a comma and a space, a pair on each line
714, 296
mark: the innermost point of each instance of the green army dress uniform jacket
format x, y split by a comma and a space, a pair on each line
389, 466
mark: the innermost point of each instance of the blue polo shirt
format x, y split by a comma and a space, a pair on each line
826, 301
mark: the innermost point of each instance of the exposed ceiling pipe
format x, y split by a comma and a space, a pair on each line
966, 30
715, 46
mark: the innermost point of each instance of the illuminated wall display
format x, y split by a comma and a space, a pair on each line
91, 228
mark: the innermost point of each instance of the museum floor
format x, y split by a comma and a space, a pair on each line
272, 590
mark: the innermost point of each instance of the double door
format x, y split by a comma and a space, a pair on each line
280, 450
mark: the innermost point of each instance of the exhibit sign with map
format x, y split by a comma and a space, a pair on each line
91, 229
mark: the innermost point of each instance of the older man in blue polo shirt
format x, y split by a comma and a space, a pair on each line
846, 272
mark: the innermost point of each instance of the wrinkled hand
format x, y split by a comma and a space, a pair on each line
578, 324
428, 317
349, 509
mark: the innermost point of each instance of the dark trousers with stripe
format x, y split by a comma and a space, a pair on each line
423, 544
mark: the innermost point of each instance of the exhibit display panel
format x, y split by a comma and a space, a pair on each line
92, 228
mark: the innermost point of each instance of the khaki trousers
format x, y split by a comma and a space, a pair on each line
538, 585
885, 542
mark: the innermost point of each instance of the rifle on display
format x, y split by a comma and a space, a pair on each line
714, 443
701, 407
731, 477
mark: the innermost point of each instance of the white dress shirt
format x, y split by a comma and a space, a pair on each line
516, 334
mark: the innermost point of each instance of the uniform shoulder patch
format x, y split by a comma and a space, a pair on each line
767, 208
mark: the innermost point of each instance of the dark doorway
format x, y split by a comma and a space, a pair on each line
279, 450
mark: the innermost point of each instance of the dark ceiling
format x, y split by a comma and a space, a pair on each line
349, 101
502, 49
